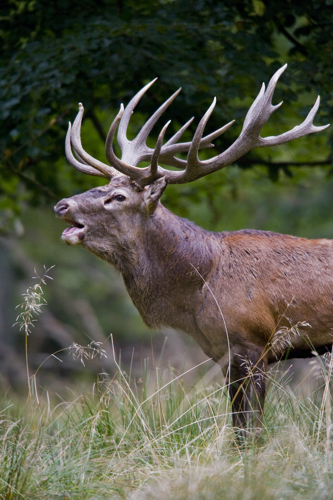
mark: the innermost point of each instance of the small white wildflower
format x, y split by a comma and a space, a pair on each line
90, 351
33, 302
79, 352
328, 360
96, 350
328, 357
252, 370
282, 339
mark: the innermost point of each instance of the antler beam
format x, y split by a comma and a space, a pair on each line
135, 151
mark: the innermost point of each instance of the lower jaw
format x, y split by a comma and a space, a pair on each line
73, 239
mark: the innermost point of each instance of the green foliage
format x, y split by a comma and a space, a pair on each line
56, 54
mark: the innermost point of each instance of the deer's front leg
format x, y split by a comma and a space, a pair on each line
247, 390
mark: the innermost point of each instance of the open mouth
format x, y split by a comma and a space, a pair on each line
74, 234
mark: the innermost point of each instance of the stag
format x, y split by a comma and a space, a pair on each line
247, 297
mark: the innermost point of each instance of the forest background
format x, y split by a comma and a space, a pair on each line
54, 54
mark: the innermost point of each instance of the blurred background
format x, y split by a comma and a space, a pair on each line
55, 54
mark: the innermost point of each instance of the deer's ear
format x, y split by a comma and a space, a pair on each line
153, 193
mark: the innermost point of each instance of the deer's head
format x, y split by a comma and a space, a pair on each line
109, 220
121, 208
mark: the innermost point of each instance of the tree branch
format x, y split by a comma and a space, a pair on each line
41, 132
35, 183
293, 40
278, 164
97, 124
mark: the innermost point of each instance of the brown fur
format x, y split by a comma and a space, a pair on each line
247, 297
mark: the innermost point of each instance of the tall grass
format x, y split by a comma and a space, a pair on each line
117, 441
155, 436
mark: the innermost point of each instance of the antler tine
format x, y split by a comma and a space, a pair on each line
82, 167
78, 157
137, 150
262, 108
205, 141
192, 157
122, 138
146, 129
175, 138
106, 170
192, 167
157, 150
133, 172
306, 127
168, 152
109, 152
249, 138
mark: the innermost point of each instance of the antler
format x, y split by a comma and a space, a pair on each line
83, 159
135, 151
249, 138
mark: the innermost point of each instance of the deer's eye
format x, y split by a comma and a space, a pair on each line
117, 197
120, 197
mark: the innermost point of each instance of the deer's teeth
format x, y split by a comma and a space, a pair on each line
74, 234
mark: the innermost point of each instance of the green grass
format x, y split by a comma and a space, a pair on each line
158, 437
125, 439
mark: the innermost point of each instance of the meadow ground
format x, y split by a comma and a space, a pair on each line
159, 436
123, 439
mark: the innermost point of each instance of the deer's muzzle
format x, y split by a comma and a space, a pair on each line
74, 234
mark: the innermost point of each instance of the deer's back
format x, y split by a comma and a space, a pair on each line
265, 282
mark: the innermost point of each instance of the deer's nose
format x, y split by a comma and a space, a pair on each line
61, 208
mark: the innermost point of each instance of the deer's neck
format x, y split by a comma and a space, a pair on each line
172, 259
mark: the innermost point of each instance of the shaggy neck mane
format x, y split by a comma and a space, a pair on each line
171, 254
171, 241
